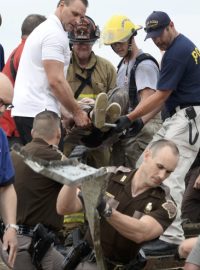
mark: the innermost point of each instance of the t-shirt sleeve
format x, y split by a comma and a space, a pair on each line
6, 166
165, 214
146, 75
53, 48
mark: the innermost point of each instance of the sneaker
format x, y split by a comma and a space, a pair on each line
99, 111
113, 112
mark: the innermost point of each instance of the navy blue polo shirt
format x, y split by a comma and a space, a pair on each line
2, 62
180, 72
6, 166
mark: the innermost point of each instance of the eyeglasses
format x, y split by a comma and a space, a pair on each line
7, 106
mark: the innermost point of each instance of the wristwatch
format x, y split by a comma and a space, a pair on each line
14, 226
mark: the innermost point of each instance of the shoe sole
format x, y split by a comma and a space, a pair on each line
99, 111
113, 112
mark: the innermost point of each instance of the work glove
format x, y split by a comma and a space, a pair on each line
122, 123
104, 208
135, 128
125, 123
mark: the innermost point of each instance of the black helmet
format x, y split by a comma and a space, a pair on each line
84, 31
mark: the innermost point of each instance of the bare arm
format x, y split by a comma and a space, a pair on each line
144, 94
186, 246
197, 183
191, 266
6, 89
68, 201
62, 90
137, 230
145, 229
151, 104
8, 206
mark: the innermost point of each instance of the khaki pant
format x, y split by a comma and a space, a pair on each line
52, 260
126, 151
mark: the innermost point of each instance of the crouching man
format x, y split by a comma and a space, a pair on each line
37, 218
141, 208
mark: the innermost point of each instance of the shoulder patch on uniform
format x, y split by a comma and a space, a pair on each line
170, 207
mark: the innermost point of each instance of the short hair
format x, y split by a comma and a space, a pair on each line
158, 145
45, 124
67, 2
31, 22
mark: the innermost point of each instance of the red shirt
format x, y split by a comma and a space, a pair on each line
6, 121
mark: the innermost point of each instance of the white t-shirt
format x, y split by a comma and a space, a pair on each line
32, 93
146, 74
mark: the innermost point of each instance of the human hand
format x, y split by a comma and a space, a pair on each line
81, 119
87, 101
104, 208
197, 183
122, 123
10, 245
135, 127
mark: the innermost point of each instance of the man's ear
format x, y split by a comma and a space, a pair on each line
62, 3
32, 132
58, 135
147, 153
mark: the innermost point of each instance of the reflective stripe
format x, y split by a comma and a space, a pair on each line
73, 218
87, 96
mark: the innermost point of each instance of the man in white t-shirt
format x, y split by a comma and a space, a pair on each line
135, 83
41, 78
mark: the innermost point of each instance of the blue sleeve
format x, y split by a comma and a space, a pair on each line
2, 62
6, 166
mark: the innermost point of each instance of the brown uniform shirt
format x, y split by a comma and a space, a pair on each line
36, 194
191, 199
155, 202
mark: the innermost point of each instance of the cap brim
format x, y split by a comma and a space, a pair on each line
154, 34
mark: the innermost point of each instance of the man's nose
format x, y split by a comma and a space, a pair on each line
162, 175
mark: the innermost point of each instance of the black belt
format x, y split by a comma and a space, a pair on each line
25, 230
183, 106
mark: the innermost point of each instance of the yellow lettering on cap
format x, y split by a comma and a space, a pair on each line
152, 23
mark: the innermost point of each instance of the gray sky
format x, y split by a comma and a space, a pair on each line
185, 15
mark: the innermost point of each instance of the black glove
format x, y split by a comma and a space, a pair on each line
135, 128
103, 208
122, 123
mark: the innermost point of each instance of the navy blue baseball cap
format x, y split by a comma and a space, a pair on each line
156, 23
